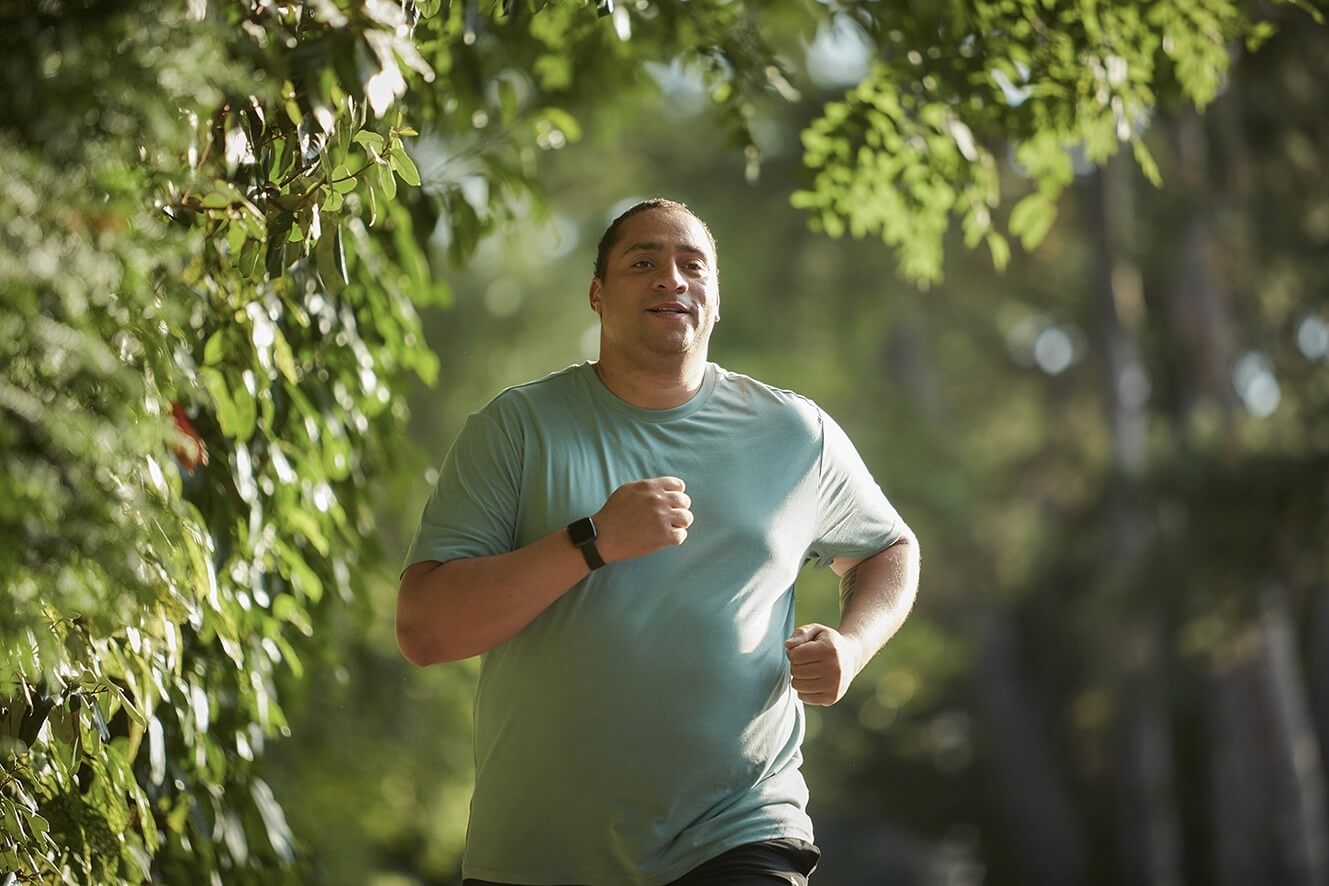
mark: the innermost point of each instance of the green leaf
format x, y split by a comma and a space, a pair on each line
248, 263
1046, 160
331, 258
1148, 166
151, 837
235, 237
246, 413
282, 356
999, 249
1259, 34
1031, 219
217, 388
274, 821
803, 199
342, 180
36, 823
305, 525
405, 167
288, 609
130, 708
9, 816
293, 111
369, 139
565, 122
302, 577
212, 351
387, 181
833, 224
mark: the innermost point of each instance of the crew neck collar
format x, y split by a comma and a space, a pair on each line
603, 395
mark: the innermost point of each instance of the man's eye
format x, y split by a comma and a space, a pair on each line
642, 263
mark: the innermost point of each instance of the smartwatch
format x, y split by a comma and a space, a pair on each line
582, 533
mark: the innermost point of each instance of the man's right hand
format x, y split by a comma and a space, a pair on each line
642, 517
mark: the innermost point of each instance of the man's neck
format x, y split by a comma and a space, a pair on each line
662, 385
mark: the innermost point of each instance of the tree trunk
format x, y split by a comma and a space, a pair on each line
1319, 666
1303, 830
1149, 831
1270, 821
1269, 805
1035, 803
1243, 813
1150, 834
1198, 298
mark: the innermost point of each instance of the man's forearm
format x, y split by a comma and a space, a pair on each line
449, 611
876, 596
454, 610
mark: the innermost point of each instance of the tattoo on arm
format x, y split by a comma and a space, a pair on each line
848, 584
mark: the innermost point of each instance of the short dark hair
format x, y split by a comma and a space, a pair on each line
610, 238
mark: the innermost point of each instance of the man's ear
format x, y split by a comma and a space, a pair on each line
594, 294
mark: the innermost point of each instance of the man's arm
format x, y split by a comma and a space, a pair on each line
450, 611
453, 610
875, 596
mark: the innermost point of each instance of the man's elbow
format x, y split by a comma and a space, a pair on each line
414, 647
419, 635
424, 642
418, 626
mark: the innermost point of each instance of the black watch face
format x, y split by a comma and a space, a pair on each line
582, 531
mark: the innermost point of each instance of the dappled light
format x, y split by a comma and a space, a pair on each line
1056, 269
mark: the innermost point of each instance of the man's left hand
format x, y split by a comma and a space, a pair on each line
823, 662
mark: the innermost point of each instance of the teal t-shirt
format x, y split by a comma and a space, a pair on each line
644, 723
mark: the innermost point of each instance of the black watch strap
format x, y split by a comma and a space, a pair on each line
582, 532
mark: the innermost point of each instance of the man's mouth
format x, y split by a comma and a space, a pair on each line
669, 309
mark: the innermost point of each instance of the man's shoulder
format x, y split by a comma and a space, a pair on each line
534, 394
759, 392
771, 403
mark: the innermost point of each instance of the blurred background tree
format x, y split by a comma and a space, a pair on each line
1113, 452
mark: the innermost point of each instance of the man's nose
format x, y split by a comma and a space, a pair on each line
671, 278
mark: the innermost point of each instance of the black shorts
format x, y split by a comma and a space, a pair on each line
783, 862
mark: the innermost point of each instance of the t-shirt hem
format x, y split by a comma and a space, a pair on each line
722, 846
615, 878
434, 555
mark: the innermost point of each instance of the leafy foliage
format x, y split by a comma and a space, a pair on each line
916, 142
213, 229
197, 390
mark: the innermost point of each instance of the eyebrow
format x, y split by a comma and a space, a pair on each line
652, 246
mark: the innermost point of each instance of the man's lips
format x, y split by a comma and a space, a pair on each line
670, 308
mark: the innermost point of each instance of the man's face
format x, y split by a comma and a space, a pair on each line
660, 294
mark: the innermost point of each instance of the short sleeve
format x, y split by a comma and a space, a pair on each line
473, 509
854, 518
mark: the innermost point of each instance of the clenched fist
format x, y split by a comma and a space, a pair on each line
823, 662
642, 517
